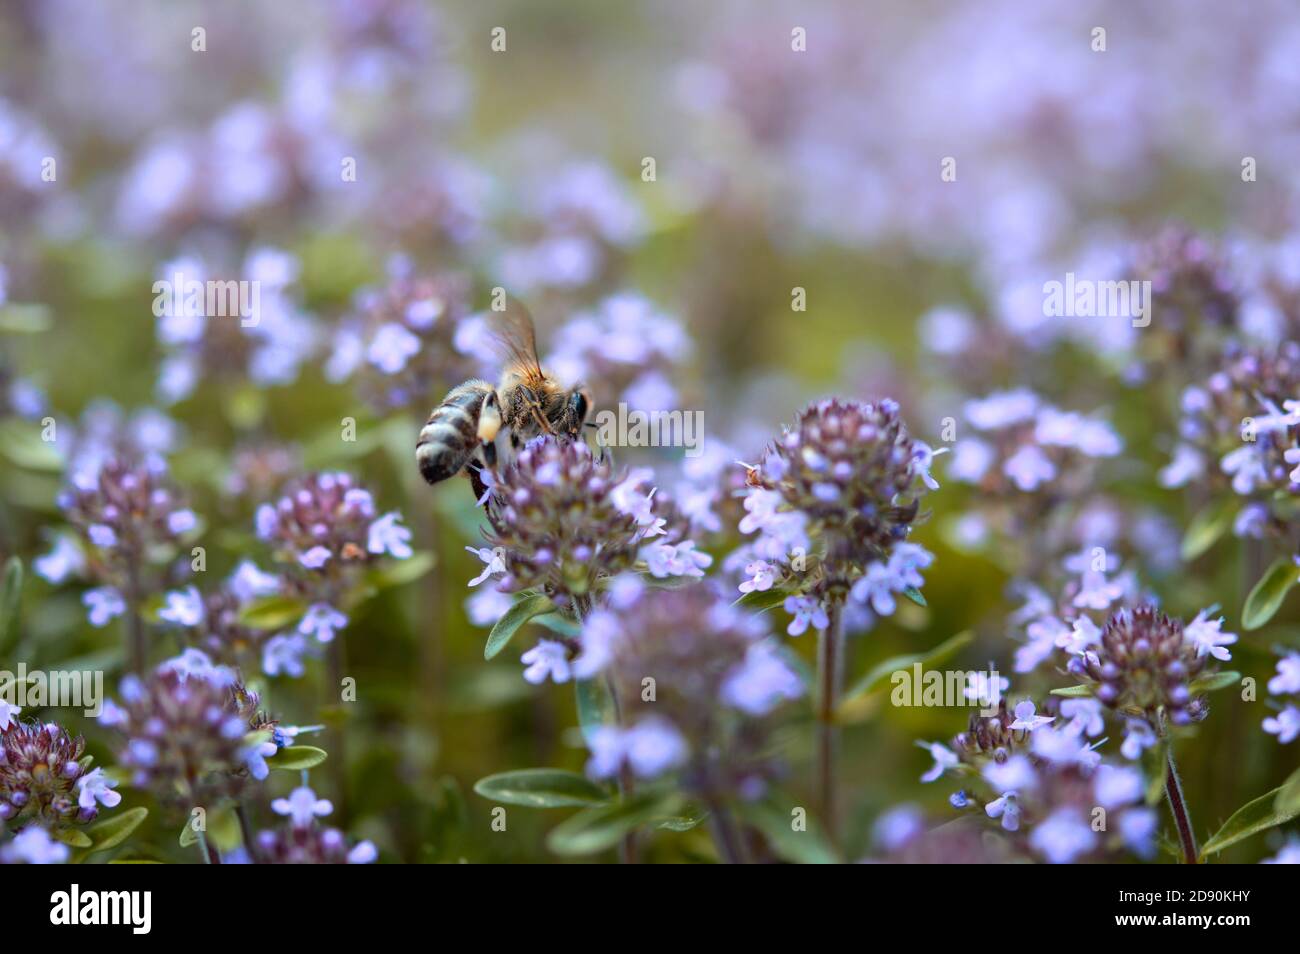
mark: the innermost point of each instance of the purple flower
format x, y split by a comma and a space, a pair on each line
283, 654
1006, 808
1029, 467
1062, 837
650, 748
1285, 725
1208, 637
547, 658
944, 759
675, 559
104, 604
387, 536
183, 607
302, 807
322, 621
94, 787
761, 681
761, 576
806, 610
181, 521
493, 563
392, 346
1287, 680
34, 846
1026, 718
102, 536
315, 558
63, 561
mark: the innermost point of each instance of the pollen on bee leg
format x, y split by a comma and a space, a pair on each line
489, 422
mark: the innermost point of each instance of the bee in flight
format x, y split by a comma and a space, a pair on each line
528, 402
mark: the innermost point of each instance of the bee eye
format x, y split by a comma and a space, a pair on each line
579, 405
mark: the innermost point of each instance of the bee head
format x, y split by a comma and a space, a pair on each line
576, 410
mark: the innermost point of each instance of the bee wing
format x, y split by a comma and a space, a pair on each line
517, 337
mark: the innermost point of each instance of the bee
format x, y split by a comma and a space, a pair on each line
528, 401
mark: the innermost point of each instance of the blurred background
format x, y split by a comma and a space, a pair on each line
655, 181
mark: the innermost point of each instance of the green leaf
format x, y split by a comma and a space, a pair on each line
272, 612
689, 817
296, 758
21, 442
25, 318
1082, 691
595, 706
188, 835
1266, 597
72, 837
913, 594
559, 624
777, 824
542, 788
1207, 527
400, 572
1288, 795
515, 617
112, 831
603, 826
11, 599
760, 601
1259, 815
879, 675
1215, 680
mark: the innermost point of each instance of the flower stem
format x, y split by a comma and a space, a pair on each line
137, 648
1178, 807
830, 654
210, 854
246, 832
730, 848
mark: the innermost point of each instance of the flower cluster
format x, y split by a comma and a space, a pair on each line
563, 522
1286, 687
1026, 443
625, 350
1147, 664
191, 732
130, 519
33, 846
212, 622
1052, 795
45, 775
846, 479
407, 339
324, 530
1240, 430
267, 340
693, 676
572, 227
302, 841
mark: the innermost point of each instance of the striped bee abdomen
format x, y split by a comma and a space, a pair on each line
455, 429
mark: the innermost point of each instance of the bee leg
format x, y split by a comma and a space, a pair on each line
490, 454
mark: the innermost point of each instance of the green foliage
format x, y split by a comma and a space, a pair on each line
296, 758
514, 618
1266, 597
542, 788
602, 827
1208, 527
1267, 811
